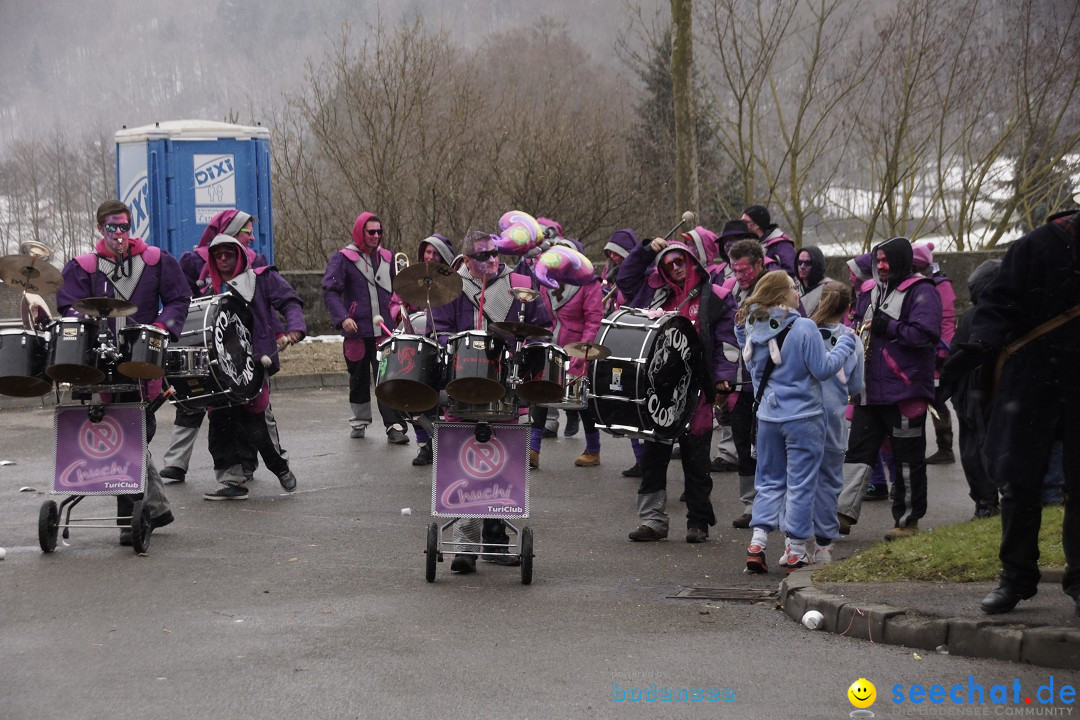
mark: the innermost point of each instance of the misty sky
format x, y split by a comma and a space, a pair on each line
96, 65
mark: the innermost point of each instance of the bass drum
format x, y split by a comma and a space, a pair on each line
223, 370
648, 386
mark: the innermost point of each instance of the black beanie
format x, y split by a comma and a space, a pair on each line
759, 214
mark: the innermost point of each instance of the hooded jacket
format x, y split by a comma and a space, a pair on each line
442, 245
815, 283
194, 261
621, 242
267, 293
836, 391
349, 293
781, 249
900, 361
703, 243
794, 388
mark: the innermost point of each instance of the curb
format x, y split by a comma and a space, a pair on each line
1044, 645
278, 383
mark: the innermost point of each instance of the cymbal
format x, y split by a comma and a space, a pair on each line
521, 329
105, 307
587, 351
30, 273
428, 282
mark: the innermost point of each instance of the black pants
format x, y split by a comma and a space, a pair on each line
1021, 517
361, 373
125, 503
981, 488
655, 458
238, 436
742, 420
870, 425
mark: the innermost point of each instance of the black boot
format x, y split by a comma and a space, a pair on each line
944, 454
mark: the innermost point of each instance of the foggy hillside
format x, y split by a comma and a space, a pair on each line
101, 64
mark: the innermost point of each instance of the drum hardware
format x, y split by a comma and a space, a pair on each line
587, 351
521, 330
401, 261
31, 273
525, 295
105, 307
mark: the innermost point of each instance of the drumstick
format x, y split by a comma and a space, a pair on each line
378, 320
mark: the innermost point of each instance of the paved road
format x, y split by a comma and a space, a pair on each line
314, 605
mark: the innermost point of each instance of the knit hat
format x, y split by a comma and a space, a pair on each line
922, 255
760, 215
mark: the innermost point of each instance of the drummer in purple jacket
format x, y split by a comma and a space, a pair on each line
903, 312
486, 297
357, 286
148, 277
239, 433
681, 284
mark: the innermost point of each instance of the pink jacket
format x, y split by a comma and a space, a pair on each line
577, 319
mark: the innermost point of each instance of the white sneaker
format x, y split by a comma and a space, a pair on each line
823, 555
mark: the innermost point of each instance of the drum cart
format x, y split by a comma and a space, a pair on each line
485, 476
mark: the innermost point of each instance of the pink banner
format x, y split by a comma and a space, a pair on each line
480, 479
107, 457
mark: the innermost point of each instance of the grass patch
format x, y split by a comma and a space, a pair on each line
965, 552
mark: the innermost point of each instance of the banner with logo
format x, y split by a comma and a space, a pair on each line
107, 457
480, 479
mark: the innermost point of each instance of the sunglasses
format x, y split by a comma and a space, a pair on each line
373, 233
674, 262
117, 227
806, 263
485, 256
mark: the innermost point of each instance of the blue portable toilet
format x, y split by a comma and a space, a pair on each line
175, 176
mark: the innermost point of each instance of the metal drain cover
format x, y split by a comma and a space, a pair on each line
735, 594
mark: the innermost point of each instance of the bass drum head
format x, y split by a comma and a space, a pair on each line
673, 371
231, 349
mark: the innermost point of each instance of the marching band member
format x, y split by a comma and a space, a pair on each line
486, 297
681, 284
357, 286
151, 279
239, 433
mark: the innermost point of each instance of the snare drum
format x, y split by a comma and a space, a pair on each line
23, 356
223, 372
408, 373
504, 409
142, 351
544, 373
648, 386
73, 356
476, 367
575, 396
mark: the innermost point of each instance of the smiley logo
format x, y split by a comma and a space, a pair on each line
862, 693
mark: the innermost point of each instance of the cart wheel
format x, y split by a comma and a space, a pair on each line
526, 555
432, 550
48, 525
140, 527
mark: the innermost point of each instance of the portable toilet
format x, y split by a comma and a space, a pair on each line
175, 176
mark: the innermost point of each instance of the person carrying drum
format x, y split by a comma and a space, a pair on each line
681, 284
239, 225
238, 433
151, 279
433, 249
357, 286
486, 297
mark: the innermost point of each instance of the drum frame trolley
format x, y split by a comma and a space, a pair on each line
480, 471
113, 436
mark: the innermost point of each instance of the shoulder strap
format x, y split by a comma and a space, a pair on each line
769, 365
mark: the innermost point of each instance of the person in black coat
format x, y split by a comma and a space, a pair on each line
1037, 400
